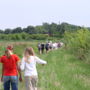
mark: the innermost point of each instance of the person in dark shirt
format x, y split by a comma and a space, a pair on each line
42, 48
47, 47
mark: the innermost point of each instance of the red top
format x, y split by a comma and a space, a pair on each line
10, 65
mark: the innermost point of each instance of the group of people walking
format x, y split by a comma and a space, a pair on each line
44, 46
48, 46
12, 67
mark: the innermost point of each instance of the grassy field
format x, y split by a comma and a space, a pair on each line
63, 71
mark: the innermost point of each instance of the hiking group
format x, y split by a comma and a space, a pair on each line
48, 46
12, 67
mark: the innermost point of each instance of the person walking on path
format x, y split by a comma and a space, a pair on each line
28, 64
39, 48
47, 47
10, 69
42, 47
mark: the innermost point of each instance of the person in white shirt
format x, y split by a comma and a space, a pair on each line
28, 65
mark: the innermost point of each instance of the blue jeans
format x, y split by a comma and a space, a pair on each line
10, 81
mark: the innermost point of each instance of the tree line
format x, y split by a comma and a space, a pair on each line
46, 28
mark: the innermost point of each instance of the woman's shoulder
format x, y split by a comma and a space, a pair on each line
32, 57
36, 57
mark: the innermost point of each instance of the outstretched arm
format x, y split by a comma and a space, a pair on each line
40, 61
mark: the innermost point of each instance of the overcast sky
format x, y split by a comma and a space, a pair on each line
15, 13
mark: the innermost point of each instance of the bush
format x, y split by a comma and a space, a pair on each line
78, 42
23, 36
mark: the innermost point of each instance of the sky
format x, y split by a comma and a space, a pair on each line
22, 13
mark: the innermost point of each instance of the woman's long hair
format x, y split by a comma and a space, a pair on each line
30, 52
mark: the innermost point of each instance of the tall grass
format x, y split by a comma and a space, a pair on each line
63, 71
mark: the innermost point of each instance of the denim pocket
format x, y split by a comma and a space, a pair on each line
14, 79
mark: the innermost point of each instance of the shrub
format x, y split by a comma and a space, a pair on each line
78, 42
23, 36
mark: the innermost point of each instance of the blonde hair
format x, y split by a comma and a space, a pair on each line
30, 51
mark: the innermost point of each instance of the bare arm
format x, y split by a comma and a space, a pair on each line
19, 71
40, 61
2, 73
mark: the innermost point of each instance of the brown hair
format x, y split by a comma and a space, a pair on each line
30, 51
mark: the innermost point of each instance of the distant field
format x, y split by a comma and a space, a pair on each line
63, 71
